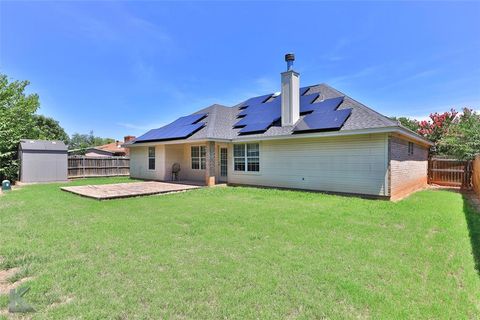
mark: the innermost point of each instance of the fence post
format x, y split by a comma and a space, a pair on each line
468, 175
83, 162
429, 170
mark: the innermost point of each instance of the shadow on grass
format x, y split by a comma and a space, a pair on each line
472, 215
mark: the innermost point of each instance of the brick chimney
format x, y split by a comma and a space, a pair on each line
125, 140
128, 138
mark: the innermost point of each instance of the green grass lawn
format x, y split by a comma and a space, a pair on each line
242, 253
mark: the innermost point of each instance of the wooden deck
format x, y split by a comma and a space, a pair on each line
125, 190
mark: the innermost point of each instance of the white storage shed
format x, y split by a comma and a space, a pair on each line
42, 161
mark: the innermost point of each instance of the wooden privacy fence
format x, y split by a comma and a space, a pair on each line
476, 175
83, 167
450, 172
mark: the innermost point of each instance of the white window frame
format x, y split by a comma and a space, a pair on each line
246, 158
202, 165
151, 157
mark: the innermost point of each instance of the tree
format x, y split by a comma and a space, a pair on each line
48, 129
16, 122
439, 124
407, 123
19, 121
81, 142
462, 139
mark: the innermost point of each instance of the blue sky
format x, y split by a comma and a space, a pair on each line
121, 68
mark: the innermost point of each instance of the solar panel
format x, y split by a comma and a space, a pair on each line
327, 105
256, 127
243, 113
303, 90
306, 100
255, 101
257, 115
323, 121
191, 119
260, 113
181, 128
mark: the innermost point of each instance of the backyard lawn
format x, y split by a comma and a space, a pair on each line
241, 253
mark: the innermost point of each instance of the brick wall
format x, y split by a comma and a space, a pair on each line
408, 172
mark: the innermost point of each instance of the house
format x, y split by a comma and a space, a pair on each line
114, 149
42, 161
310, 138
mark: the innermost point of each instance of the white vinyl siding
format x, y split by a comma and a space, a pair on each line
349, 164
139, 160
165, 157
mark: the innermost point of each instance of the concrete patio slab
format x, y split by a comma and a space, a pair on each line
125, 190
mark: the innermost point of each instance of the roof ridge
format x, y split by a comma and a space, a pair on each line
361, 104
212, 117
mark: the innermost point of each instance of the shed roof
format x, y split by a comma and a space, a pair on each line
42, 145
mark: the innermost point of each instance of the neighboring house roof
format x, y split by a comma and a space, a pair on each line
109, 148
219, 123
42, 145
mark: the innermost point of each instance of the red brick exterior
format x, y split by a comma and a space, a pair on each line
408, 172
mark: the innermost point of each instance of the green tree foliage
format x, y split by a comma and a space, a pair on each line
16, 122
454, 134
408, 123
48, 129
462, 138
80, 142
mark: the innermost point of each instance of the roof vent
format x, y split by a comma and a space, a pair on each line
289, 58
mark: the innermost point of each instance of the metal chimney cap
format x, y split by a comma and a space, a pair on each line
289, 57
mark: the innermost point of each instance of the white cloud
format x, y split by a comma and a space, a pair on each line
140, 127
266, 84
121, 27
362, 73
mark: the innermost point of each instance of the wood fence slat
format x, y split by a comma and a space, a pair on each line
450, 172
82, 167
476, 174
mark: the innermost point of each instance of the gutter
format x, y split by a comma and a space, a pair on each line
392, 129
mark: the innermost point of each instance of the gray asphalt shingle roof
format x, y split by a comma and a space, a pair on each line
42, 145
220, 119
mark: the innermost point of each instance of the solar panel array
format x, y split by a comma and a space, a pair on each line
179, 129
259, 113
323, 121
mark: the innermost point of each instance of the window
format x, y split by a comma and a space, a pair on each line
199, 160
253, 157
239, 157
246, 157
410, 148
151, 158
